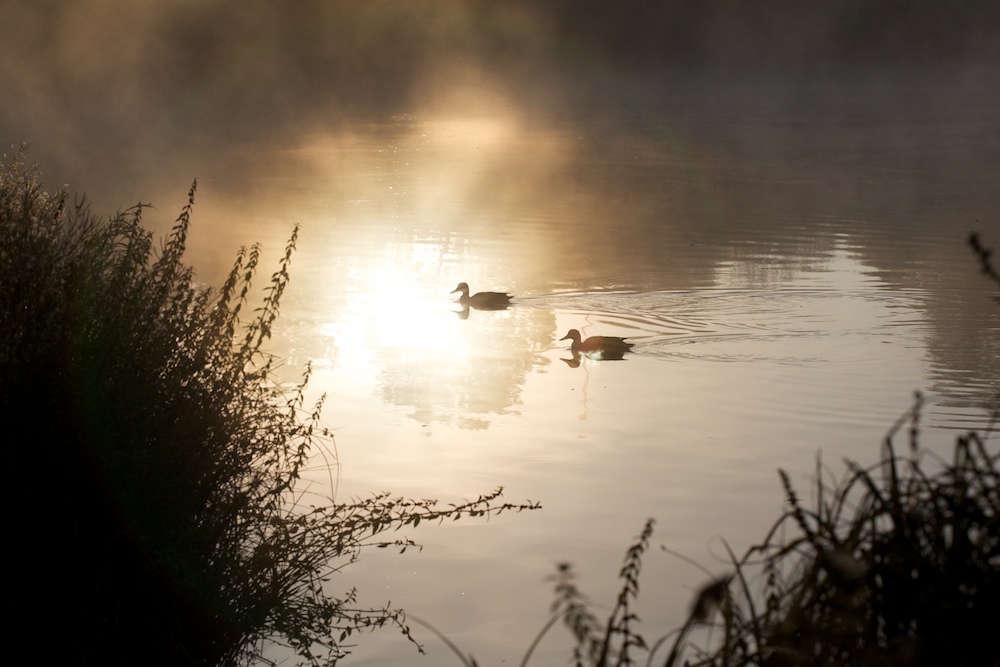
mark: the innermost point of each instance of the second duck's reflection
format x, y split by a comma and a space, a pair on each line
577, 358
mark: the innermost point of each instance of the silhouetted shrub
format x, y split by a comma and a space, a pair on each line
156, 457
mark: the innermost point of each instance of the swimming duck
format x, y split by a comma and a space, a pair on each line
610, 346
482, 300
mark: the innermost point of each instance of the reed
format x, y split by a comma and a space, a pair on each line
896, 564
157, 460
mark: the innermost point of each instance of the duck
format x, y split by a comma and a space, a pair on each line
482, 300
610, 347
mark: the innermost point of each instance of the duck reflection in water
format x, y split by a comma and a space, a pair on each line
480, 300
598, 348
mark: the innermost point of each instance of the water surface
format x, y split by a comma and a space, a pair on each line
789, 261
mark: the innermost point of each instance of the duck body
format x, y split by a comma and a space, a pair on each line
608, 345
482, 300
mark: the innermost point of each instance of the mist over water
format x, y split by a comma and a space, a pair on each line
113, 95
770, 200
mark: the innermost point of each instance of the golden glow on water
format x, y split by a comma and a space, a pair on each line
759, 342
396, 312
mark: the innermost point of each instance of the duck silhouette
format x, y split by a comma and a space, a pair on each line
599, 347
482, 300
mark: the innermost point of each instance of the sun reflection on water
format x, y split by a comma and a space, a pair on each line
394, 307
401, 336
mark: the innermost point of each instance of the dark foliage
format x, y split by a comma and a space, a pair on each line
156, 458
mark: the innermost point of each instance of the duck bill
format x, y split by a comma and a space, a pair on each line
565, 338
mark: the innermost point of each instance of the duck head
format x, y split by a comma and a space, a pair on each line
463, 288
573, 335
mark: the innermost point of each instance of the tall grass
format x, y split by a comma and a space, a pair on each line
155, 460
897, 564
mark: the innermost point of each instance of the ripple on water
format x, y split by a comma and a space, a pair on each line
782, 325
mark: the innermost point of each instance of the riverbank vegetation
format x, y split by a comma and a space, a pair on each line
898, 563
157, 461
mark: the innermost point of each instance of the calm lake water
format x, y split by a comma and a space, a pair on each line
789, 260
